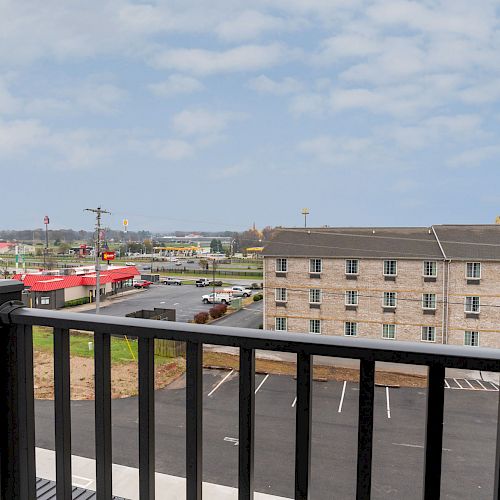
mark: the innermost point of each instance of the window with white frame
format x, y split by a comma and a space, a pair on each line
473, 270
281, 265
428, 301
390, 267
389, 299
280, 324
351, 298
472, 304
44, 301
315, 265
280, 294
428, 334
314, 326
471, 338
315, 296
430, 268
351, 266
350, 329
389, 331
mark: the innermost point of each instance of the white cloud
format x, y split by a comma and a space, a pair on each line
176, 84
173, 149
475, 157
308, 104
202, 122
239, 59
266, 85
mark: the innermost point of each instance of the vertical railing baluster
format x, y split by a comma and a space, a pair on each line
102, 381
303, 426
365, 429
62, 412
194, 420
434, 433
146, 419
246, 424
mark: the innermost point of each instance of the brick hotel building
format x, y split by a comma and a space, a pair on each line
438, 284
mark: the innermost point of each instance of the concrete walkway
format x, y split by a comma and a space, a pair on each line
126, 480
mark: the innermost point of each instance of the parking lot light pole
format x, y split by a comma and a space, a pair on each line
213, 279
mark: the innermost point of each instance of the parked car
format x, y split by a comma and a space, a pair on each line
217, 298
202, 282
178, 263
171, 281
216, 283
190, 261
142, 283
129, 263
240, 291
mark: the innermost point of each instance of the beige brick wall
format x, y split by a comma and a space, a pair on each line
370, 284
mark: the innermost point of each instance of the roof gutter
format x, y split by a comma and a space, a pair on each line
446, 287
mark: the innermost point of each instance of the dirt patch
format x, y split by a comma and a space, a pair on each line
224, 360
124, 376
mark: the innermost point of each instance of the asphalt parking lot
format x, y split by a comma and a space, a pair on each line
469, 436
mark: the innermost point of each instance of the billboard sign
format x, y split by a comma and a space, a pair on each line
108, 255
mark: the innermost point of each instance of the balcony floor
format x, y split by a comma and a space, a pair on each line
46, 490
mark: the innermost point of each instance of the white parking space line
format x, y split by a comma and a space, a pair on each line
177, 303
408, 445
447, 386
494, 385
480, 383
82, 482
220, 383
458, 383
342, 397
294, 402
235, 441
262, 383
388, 404
471, 386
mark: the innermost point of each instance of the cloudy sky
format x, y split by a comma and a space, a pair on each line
212, 115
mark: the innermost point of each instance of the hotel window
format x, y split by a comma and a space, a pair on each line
473, 270
390, 267
350, 329
314, 326
471, 338
351, 266
389, 299
315, 296
428, 334
281, 265
430, 269
351, 298
315, 266
472, 304
388, 331
428, 301
280, 294
280, 324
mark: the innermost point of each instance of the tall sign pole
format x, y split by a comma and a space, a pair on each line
305, 213
46, 251
98, 211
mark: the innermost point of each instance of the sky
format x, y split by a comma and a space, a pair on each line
188, 114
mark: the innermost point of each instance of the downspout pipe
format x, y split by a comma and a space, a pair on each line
446, 286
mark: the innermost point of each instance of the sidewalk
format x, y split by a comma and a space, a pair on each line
104, 302
126, 480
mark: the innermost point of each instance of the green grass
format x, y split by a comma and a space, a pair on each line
79, 346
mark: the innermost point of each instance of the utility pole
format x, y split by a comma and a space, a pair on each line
305, 213
98, 211
46, 250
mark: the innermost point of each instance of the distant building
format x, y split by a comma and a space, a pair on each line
54, 289
439, 284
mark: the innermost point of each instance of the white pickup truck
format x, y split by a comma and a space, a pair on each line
239, 291
217, 298
202, 282
171, 281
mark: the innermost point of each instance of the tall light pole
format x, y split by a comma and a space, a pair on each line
46, 251
305, 213
98, 211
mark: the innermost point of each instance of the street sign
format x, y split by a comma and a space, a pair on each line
125, 222
108, 255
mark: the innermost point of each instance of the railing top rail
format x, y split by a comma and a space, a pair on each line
376, 350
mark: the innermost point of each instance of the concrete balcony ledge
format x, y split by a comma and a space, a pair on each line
126, 481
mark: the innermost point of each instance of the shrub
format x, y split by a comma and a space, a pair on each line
201, 318
218, 310
257, 297
77, 302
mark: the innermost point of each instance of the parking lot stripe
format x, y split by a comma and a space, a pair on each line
294, 402
480, 383
458, 383
262, 383
471, 386
447, 386
342, 397
388, 404
220, 383
494, 385
408, 445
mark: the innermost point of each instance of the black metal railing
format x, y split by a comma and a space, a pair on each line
17, 430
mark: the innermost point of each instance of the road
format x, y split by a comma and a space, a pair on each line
249, 317
469, 437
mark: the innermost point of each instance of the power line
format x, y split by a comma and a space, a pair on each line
98, 211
